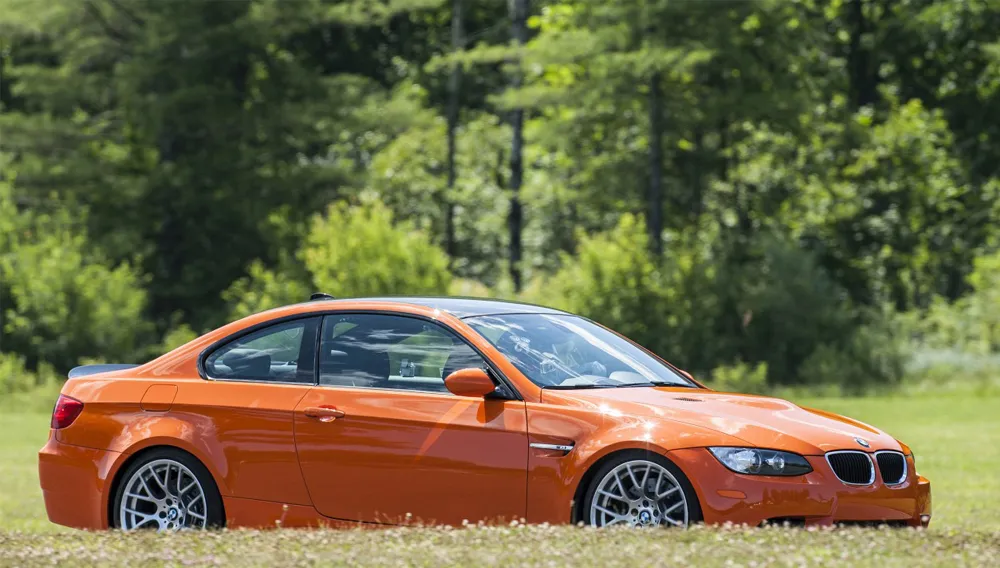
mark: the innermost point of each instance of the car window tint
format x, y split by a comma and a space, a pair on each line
283, 352
383, 351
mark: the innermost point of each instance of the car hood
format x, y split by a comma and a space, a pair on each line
760, 421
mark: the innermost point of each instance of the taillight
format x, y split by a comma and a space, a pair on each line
65, 411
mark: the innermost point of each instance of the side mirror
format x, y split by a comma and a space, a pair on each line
686, 374
470, 382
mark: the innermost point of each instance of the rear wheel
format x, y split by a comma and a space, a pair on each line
641, 489
167, 490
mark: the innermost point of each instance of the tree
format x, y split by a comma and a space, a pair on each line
348, 252
454, 84
193, 106
694, 164
61, 300
519, 31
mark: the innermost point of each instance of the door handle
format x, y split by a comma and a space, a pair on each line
323, 413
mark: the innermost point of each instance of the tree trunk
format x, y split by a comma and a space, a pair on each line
864, 83
519, 16
454, 85
5, 95
654, 198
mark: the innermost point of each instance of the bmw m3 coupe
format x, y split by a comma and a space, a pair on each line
444, 410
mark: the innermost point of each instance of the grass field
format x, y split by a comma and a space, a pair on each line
956, 440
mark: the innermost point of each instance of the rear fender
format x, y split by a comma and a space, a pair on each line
185, 431
113, 419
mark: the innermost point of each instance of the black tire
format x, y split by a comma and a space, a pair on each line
215, 513
694, 507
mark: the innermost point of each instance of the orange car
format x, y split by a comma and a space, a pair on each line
441, 410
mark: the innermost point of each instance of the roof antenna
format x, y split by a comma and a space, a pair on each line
320, 296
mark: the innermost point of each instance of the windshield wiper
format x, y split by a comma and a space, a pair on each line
574, 387
657, 384
620, 385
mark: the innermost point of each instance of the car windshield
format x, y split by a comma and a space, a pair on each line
564, 351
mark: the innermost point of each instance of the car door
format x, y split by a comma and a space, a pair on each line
244, 409
381, 439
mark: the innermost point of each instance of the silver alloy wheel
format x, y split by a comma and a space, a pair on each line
163, 494
639, 493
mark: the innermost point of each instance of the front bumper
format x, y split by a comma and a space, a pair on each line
74, 480
815, 498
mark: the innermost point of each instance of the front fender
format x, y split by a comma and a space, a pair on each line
555, 478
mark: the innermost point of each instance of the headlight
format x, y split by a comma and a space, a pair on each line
754, 461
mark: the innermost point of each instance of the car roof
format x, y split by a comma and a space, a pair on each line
457, 306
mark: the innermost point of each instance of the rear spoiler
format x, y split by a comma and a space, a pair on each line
85, 370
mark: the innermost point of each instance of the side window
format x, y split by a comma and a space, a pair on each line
396, 352
283, 352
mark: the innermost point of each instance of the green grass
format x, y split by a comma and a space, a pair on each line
512, 546
21, 507
955, 439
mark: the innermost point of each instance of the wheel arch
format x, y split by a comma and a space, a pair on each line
152, 430
130, 458
597, 461
580, 491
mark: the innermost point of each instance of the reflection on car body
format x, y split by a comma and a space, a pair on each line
389, 410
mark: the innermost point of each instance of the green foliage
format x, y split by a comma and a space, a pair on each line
956, 345
788, 307
611, 278
66, 306
16, 378
408, 176
614, 281
887, 207
740, 377
360, 251
810, 162
773, 313
175, 338
349, 252
972, 323
263, 289
183, 126
64, 302
868, 358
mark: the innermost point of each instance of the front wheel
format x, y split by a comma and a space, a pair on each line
641, 489
167, 490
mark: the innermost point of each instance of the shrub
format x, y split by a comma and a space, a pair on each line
351, 251
264, 289
615, 281
740, 377
972, 323
16, 378
782, 305
867, 359
174, 338
766, 309
64, 301
956, 346
359, 251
